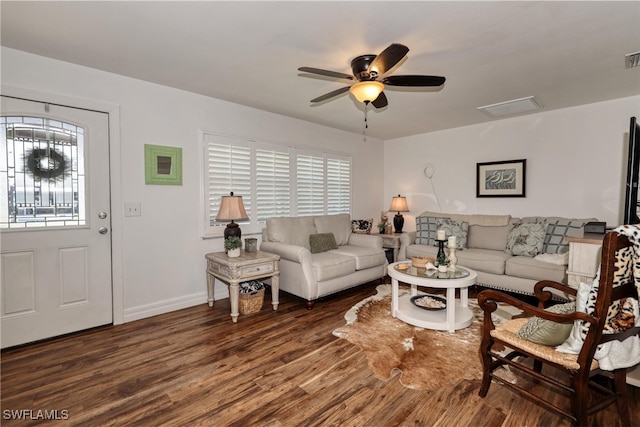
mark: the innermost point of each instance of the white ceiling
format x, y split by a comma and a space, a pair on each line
563, 53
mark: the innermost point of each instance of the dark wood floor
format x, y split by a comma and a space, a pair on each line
195, 367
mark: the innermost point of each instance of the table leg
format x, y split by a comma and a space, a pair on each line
394, 296
210, 282
464, 297
451, 309
234, 295
395, 254
275, 288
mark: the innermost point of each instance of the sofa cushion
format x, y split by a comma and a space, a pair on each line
366, 257
555, 241
483, 260
488, 237
426, 228
531, 268
460, 229
477, 259
361, 226
322, 242
339, 225
291, 230
329, 265
526, 238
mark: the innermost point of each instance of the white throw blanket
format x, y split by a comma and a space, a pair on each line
624, 354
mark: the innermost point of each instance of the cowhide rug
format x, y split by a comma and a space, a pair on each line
425, 359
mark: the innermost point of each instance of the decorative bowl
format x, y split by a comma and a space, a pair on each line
402, 267
422, 261
429, 302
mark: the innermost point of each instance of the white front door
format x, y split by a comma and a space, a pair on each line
55, 226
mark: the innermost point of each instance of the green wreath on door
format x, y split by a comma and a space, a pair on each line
45, 163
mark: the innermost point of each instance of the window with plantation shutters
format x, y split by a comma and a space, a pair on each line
310, 194
338, 185
273, 177
273, 180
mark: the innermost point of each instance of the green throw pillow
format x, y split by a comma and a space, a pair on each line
322, 242
546, 332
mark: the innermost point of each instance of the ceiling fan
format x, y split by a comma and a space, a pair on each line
366, 71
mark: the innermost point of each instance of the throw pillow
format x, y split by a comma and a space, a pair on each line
526, 238
573, 343
547, 332
426, 228
555, 241
322, 242
460, 229
361, 226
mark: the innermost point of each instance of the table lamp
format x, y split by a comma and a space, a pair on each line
232, 209
399, 204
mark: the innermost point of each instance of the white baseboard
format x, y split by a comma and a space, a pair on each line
167, 306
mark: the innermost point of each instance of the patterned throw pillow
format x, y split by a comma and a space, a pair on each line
555, 241
526, 238
361, 226
426, 227
546, 332
322, 242
460, 229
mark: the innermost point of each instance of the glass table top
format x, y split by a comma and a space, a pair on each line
459, 272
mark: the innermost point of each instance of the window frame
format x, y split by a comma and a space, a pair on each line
253, 226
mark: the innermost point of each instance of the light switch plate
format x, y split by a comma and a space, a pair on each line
132, 209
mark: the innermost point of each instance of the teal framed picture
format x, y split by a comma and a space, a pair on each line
162, 165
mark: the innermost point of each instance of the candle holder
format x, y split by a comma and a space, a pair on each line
441, 258
453, 259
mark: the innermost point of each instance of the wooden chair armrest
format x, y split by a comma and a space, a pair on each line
545, 296
488, 301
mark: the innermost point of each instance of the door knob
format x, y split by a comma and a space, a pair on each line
103, 230
102, 215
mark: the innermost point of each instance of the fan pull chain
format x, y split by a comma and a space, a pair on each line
366, 125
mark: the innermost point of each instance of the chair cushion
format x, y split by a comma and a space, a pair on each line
329, 265
322, 242
507, 334
366, 257
547, 332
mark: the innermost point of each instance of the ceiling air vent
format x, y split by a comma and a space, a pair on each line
509, 108
632, 60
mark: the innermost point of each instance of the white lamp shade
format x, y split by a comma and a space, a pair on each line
366, 91
399, 204
231, 209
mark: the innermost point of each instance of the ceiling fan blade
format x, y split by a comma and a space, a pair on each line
380, 101
388, 58
331, 94
327, 73
409, 80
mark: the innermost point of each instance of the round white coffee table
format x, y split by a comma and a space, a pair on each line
457, 314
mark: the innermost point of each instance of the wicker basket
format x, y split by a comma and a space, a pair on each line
421, 261
251, 302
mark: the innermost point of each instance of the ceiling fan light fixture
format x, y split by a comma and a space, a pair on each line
367, 91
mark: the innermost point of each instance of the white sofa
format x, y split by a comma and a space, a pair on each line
357, 258
487, 251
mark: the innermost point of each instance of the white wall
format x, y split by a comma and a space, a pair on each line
576, 163
159, 257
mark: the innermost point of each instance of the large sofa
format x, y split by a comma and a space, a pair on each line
309, 267
511, 254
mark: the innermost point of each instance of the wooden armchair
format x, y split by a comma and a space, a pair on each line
571, 375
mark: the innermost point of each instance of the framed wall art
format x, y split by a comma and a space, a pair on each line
162, 165
501, 179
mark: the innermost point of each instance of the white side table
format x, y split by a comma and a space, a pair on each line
248, 266
391, 241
